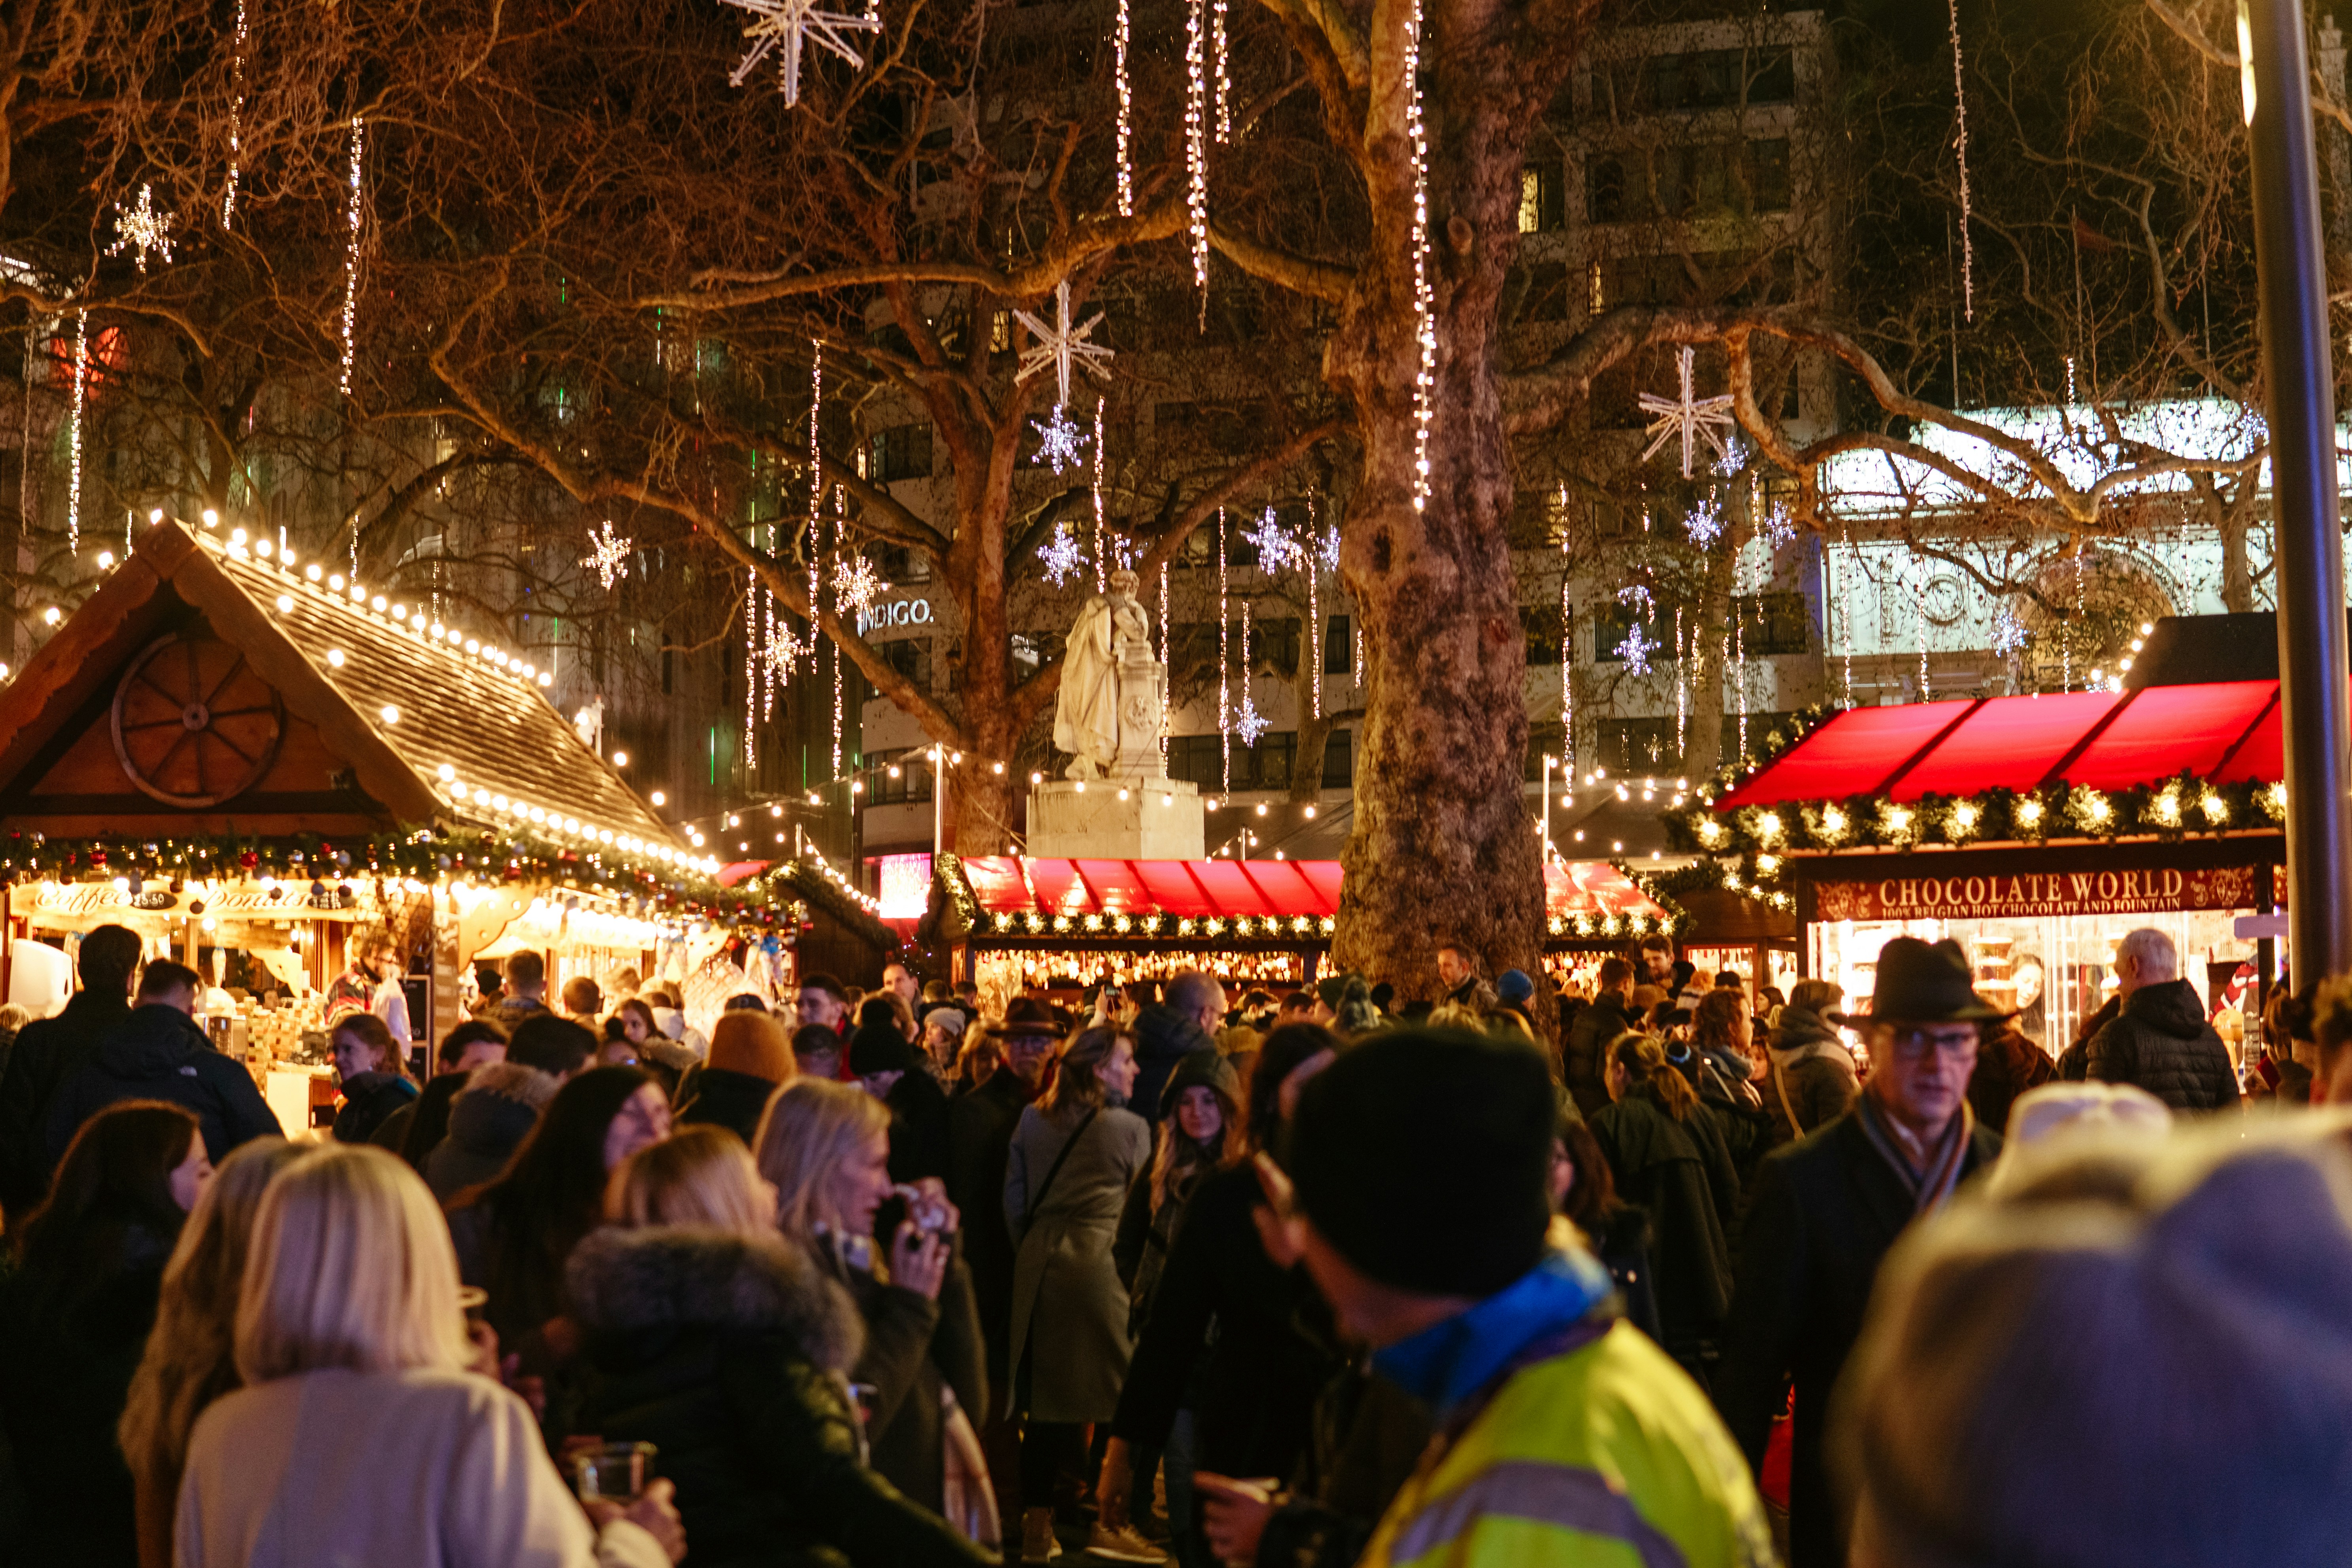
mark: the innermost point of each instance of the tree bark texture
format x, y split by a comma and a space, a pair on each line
1444, 847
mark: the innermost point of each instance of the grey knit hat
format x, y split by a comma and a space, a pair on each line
2155, 1369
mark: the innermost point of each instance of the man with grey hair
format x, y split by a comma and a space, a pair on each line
1186, 1019
2161, 1040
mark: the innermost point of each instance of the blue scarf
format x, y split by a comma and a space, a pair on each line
1447, 1362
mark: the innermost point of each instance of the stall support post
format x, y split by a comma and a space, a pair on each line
939, 802
2297, 363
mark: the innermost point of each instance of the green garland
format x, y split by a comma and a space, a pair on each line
647, 886
799, 882
2181, 806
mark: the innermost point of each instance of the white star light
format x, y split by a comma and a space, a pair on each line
1060, 442
859, 585
784, 650
2007, 632
793, 24
1062, 346
1331, 549
1780, 525
1690, 417
1636, 649
611, 555
140, 228
1063, 556
1249, 723
1704, 522
1276, 547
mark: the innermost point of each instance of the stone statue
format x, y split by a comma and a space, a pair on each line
1113, 690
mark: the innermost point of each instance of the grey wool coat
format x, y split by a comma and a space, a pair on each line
1067, 1301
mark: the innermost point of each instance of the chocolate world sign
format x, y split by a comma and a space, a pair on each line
2031, 894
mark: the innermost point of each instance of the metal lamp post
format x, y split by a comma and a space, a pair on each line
2298, 365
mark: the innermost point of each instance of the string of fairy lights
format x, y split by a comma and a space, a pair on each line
235, 115
352, 219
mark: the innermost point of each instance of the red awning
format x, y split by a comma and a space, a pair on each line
2227, 731
1287, 890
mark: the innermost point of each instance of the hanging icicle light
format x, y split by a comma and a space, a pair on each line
1424, 310
351, 246
1163, 663
236, 114
1102, 553
1224, 83
1196, 146
80, 398
1960, 142
1125, 119
1225, 662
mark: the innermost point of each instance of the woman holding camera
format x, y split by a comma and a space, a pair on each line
825, 1147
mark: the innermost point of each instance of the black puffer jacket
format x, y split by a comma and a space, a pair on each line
369, 1101
2161, 1042
727, 1353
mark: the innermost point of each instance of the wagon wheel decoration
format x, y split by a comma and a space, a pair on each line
195, 724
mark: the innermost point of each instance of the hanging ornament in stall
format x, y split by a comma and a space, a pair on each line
236, 114
1196, 146
609, 555
352, 218
140, 230
1425, 292
1119, 40
81, 401
1686, 416
785, 27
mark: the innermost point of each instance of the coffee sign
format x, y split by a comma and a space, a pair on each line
2031, 894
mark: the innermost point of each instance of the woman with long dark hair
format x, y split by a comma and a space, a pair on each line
1074, 1153
1668, 1157
74, 1321
190, 1355
514, 1232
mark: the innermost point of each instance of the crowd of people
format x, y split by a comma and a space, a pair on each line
1682, 1272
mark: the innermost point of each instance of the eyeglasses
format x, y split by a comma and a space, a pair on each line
1952, 1040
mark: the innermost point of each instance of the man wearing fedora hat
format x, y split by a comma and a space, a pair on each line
979, 1137
1824, 1212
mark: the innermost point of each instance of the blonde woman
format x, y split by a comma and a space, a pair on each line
189, 1361
1075, 1154
360, 1435
826, 1147
712, 1337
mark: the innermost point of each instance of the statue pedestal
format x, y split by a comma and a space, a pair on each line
1158, 819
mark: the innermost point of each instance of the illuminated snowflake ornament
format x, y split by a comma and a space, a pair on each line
784, 650
1690, 417
2007, 632
1705, 523
1060, 440
1249, 723
140, 228
1637, 648
790, 26
1061, 346
1063, 556
1331, 549
1780, 525
1276, 547
610, 556
859, 586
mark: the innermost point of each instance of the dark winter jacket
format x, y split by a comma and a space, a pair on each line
914, 1347
158, 1053
369, 1101
48, 1054
1256, 1392
497, 1109
2008, 1064
2074, 1062
71, 1348
1816, 1073
1822, 1215
728, 1354
2161, 1042
1369, 1436
1680, 1175
1588, 1043
919, 1127
427, 1121
1163, 1038
1621, 1239
725, 1098
980, 1138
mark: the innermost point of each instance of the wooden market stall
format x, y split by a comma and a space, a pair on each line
2036, 831
1018, 924
252, 762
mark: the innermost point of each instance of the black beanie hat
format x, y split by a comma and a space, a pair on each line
1422, 1155
880, 1048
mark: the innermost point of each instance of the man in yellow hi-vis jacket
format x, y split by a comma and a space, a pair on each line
1413, 1189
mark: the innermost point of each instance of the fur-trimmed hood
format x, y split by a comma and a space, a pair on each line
676, 1277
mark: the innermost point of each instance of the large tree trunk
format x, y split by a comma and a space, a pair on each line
1444, 847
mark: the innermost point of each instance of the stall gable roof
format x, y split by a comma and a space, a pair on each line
1286, 890
491, 727
2021, 743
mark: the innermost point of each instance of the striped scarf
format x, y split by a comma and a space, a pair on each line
1928, 1190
